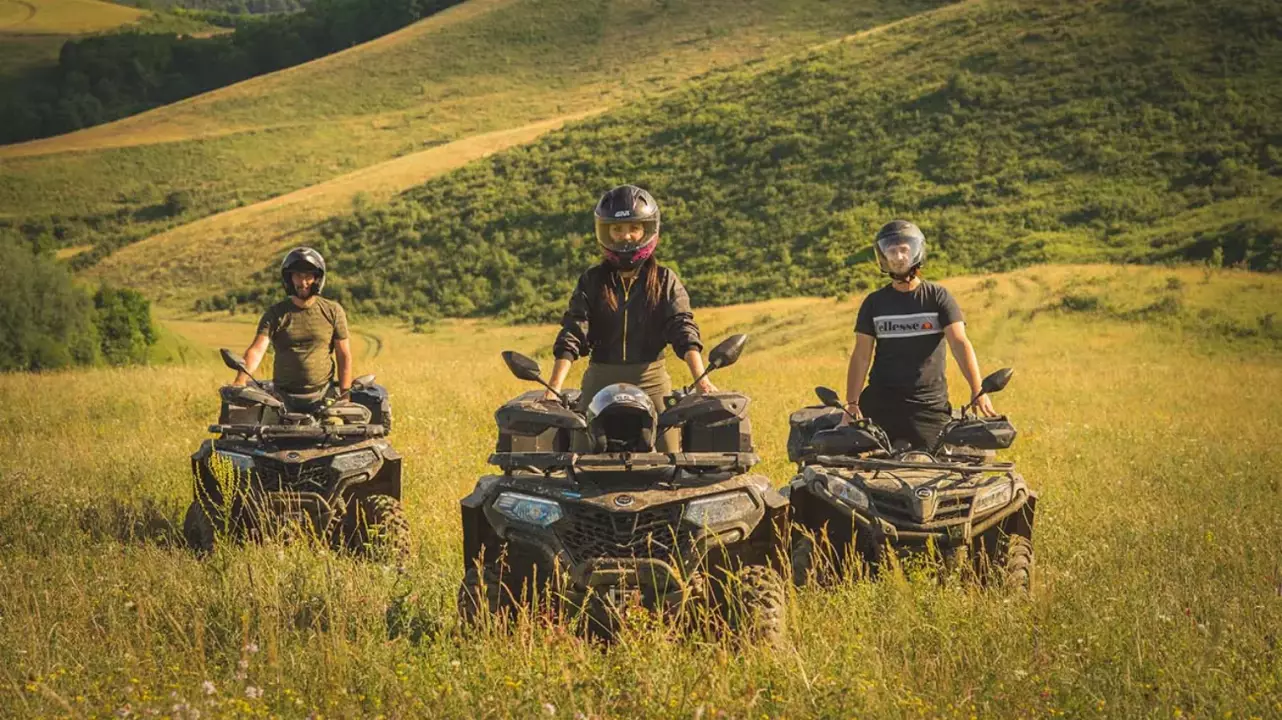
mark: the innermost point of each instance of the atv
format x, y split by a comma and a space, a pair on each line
284, 463
601, 523
865, 500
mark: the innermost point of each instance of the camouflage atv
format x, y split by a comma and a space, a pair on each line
866, 500
692, 533
285, 463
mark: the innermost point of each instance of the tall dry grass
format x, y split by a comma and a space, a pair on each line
1151, 437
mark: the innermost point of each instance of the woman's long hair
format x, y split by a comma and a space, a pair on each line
649, 272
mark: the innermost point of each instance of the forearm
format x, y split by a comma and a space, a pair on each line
964, 354
560, 369
344, 361
253, 357
857, 371
694, 361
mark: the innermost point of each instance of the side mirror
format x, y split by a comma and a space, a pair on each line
727, 352
233, 361
829, 397
260, 397
997, 381
522, 366
363, 382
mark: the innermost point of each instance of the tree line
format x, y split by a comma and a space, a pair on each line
48, 321
107, 77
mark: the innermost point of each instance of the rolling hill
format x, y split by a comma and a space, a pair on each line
483, 66
1013, 132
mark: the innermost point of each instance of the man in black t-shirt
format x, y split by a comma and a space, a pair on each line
907, 323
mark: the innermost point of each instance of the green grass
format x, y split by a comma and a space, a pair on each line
1013, 132
1152, 442
483, 66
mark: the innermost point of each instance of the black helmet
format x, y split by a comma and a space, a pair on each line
900, 232
303, 259
621, 418
627, 204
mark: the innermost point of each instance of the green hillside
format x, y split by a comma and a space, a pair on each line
1013, 132
482, 66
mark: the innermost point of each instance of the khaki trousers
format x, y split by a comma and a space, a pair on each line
653, 380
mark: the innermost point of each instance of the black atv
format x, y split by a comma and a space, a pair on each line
863, 499
283, 463
619, 525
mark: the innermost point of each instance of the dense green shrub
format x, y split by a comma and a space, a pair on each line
124, 325
48, 322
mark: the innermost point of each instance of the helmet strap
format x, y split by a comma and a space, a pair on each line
905, 277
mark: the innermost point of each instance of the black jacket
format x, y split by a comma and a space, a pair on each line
634, 333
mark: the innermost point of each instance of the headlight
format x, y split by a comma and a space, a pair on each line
528, 509
242, 463
354, 461
848, 493
993, 498
719, 509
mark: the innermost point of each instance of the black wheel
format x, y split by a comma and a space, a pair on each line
1005, 560
803, 560
480, 596
381, 528
1017, 563
198, 529
754, 604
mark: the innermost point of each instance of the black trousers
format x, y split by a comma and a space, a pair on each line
905, 419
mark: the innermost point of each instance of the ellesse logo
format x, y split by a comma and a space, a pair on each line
889, 326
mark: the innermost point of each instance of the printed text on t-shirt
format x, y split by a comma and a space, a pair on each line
898, 326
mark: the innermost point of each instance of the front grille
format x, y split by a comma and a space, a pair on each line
588, 533
297, 477
949, 508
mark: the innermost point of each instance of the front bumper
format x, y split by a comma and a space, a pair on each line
817, 510
297, 485
619, 544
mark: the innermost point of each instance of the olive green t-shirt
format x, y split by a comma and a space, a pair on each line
303, 340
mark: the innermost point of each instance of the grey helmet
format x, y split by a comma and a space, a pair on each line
622, 418
900, 232
302, 259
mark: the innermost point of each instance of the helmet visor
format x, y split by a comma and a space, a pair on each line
901, 252
625, 236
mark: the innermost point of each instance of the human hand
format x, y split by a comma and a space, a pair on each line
551, 395
852, 414
705, 386
984, 406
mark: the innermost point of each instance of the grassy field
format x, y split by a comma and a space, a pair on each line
483, 66
63, 17
1145, 421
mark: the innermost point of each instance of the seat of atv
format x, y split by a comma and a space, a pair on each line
303, 402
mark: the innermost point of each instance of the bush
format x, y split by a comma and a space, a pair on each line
48, 322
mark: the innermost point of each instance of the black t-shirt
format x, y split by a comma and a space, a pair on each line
909, 328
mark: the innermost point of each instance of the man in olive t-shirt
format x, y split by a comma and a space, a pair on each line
303, 330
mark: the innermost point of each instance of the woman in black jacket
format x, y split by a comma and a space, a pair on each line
627, 309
